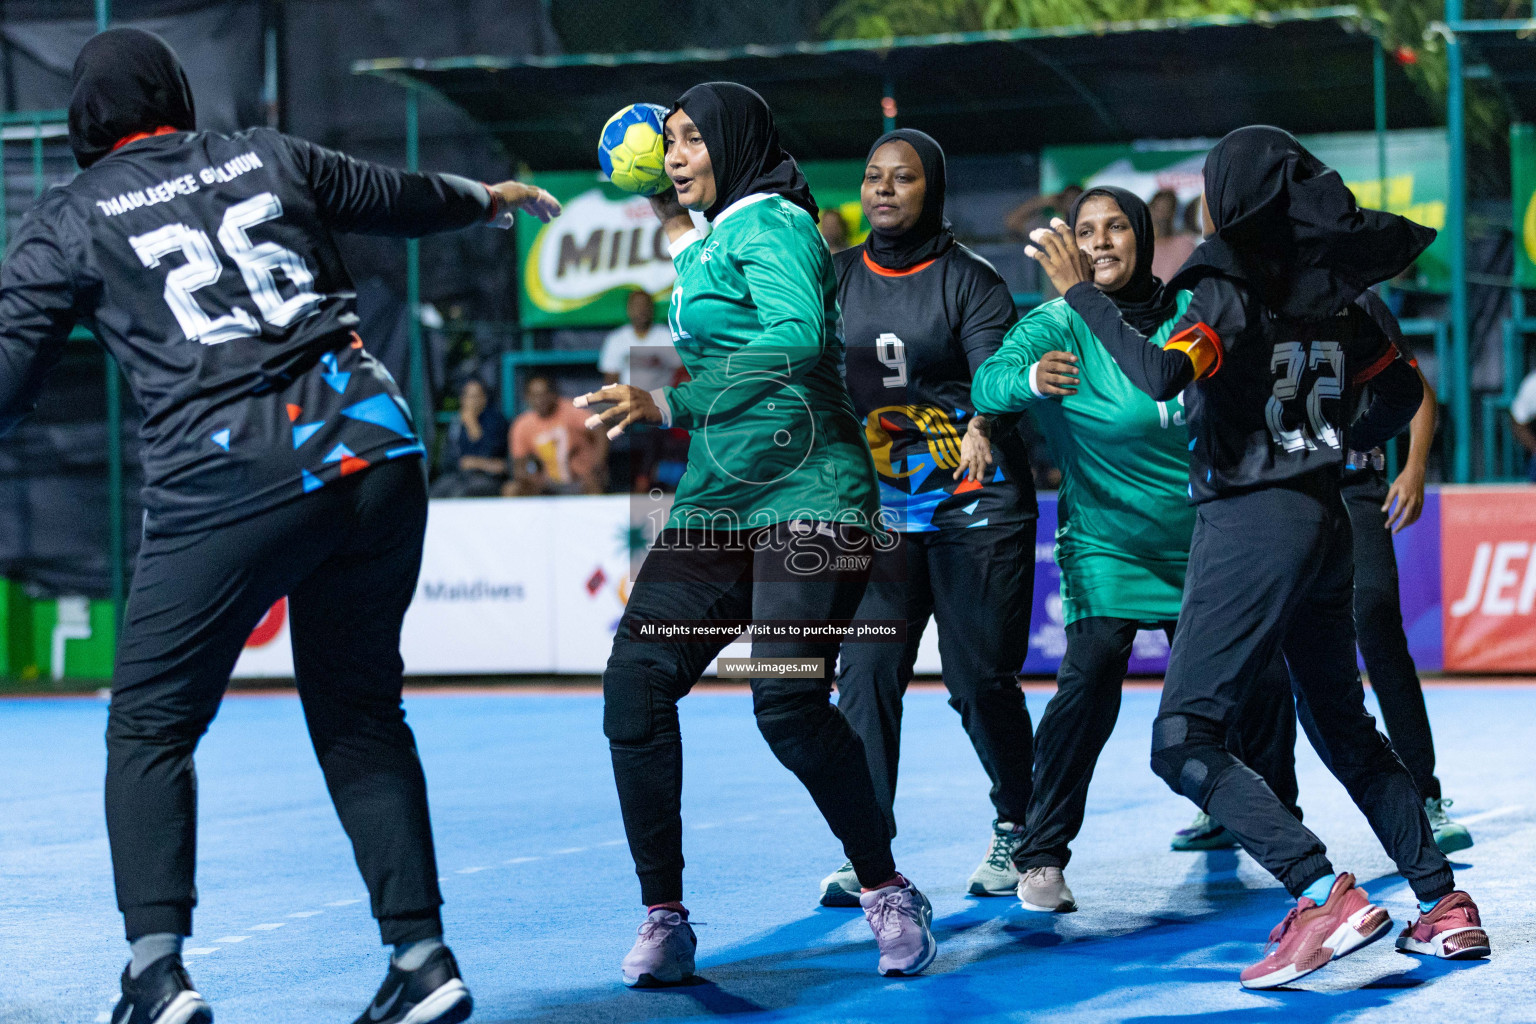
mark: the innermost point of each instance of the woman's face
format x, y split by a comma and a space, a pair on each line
688, 163
1104, 232
472, 399
893, 189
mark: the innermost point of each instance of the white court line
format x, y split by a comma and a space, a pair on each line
103, 1018
569, 849
231, 939
306, 913
611, 842
265, 927
1497, 812
200, 951
342, 903
470, 871
519, 860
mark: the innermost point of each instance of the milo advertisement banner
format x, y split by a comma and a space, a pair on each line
1522, 151
577, 269
1417, 182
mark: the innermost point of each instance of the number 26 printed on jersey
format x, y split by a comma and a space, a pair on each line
259, 263
1290, 363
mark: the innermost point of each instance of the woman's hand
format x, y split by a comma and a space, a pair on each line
1056, 374
975, 450
1065, 264
630, 405
528, 198
1408, 492
672, 214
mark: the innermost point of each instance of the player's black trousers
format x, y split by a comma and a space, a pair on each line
1080, 717
1267, 568
977, 584
1379, 629
347, 557
770, 574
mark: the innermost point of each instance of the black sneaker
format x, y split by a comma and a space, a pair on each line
431, 994
163, 994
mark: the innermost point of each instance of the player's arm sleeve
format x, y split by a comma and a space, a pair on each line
37, 312
1396, 392
784, 275
987, 312
1006, 381
371, 199
1194, 350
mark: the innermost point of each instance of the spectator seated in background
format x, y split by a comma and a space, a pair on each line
834, 229
1172, 246
552, 450
639, 353
475, 459
1522, 413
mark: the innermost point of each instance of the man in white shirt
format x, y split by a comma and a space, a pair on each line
1522, 413
639, 353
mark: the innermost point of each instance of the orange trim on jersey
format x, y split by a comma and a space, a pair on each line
883, 272
164, 129
1203, 347
1375, 368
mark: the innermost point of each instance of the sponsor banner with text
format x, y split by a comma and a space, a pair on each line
1487, 545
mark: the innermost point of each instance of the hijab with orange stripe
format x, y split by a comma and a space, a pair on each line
932, 235
125, 82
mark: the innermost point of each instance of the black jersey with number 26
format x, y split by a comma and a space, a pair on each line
207, 266
914, 337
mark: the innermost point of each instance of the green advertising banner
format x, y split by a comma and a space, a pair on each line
1522, 155
1417, 181
578, 269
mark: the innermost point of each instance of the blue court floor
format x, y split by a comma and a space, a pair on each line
542, 902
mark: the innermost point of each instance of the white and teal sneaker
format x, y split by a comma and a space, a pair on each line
996, 875
1204, 833
1450, 835
841, 888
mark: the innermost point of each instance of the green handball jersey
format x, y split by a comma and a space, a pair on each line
1124, 518
754, 318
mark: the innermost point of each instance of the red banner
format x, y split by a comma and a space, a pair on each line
1488, 569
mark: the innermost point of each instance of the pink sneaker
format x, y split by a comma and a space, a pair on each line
1312, 935
902, 920
1451, 931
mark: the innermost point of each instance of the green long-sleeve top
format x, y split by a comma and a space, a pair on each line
1123, 514
754, 318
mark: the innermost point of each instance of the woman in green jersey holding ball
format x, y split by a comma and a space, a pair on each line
773, 523
1123, 536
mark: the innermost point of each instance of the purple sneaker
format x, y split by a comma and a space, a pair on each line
663, 951
901, 917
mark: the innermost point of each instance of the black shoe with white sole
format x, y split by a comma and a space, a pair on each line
432, 994
163, 994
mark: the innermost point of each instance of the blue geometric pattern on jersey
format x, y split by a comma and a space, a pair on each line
909, 513
970, 509
304, 431
221, 438
310, 481
381, 411
979, 522
338, 453
337, 379
410, 449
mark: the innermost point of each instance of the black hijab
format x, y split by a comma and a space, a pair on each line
125, 80
1143, 301
931, 236
1288, 227
743, 145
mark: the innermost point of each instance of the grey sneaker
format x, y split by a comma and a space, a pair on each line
841, 888
663, 951
1204, 833
901, 919
997, 876
1044, 889
1450, 835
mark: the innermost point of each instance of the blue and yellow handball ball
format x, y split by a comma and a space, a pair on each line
631, 149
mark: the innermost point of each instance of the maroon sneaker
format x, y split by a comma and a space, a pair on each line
1451, 930
1312, 935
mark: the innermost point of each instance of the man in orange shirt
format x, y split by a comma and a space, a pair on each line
571, 459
